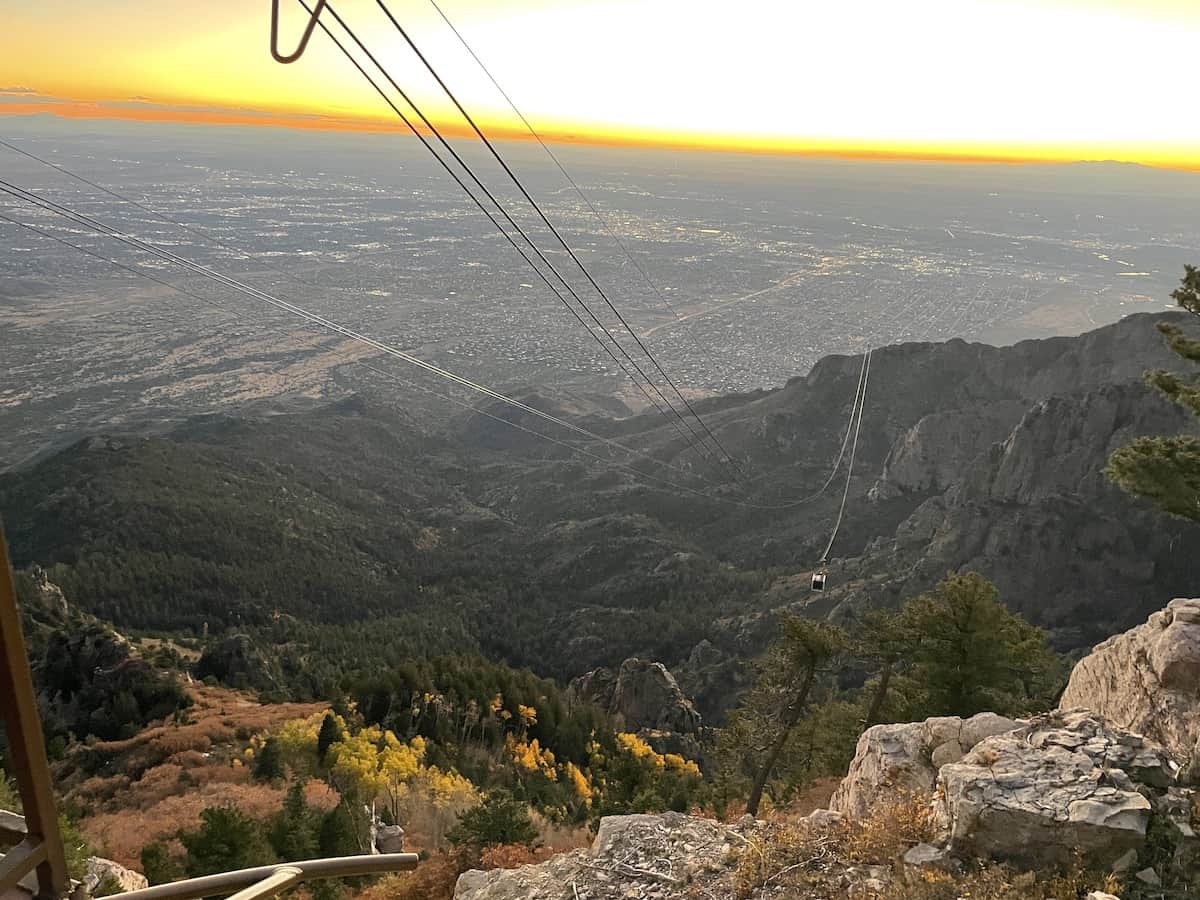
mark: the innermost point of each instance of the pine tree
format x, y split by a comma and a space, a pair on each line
294, 830
499, 819
968, 653
780, 696
1166, 469
329, 735
158, 865
227, 839
268, 765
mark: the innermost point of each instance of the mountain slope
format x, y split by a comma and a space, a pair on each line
970, 457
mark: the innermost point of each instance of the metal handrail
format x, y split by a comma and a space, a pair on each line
267, 881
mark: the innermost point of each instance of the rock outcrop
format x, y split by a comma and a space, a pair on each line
1064, 783
644, 857
1148, 680
1035, 792
640, 695
906, 757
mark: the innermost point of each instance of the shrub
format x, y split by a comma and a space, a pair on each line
499, 819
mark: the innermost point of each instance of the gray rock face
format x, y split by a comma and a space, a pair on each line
1063, 783
905, 758
640, 695
1148, 680
1013, 487
645, 857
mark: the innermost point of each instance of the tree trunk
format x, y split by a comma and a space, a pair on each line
881, 691
785, 731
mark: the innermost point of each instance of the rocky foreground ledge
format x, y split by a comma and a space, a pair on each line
1069, 786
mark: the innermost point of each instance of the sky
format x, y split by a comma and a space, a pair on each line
971, 79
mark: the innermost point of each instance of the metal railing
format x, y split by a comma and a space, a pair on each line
267, 881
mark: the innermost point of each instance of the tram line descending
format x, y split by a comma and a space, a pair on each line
604, 223
680, 423
553, 230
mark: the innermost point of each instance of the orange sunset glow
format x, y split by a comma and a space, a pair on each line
955, 79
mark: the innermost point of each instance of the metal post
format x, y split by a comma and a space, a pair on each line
27, 747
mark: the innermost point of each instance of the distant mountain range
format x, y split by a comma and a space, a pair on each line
477, 536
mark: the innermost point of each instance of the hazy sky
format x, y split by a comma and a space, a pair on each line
1056, 79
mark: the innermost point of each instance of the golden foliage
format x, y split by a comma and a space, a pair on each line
530, 757
641, 750
580, 783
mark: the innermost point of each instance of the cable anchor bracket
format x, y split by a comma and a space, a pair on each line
304, 38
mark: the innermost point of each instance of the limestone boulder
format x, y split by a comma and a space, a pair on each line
1147, 680
104, 874
1064, 782
651, 857
891, 760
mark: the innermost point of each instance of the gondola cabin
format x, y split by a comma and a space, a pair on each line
818, 580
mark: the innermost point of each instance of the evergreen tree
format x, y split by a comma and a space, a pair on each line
1166, 469
780, 696
968, 653
158, 865
329, 735
227, 839
499, 819
294, 830
338, 833
268, 766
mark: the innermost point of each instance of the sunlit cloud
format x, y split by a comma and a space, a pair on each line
945, 79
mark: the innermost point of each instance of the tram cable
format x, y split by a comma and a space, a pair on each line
571, 180
103, 229
696, 439
550, 225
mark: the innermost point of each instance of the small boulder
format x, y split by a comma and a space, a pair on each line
104, 872
822, 818
927, 856
389, 839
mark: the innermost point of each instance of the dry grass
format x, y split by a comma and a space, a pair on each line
433, 880
812, 797
163, 777
809, 862
889, 831
999, 882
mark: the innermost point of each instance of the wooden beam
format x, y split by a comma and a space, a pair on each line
26, 744
20, 861
12, 828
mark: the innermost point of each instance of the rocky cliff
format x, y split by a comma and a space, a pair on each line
639, 695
